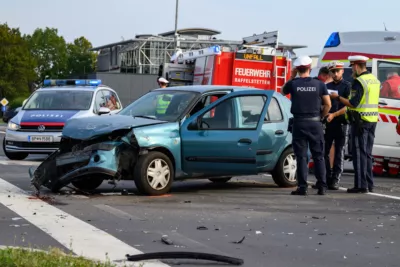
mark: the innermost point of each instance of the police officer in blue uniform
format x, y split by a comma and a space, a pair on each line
362, 113
308, 95
337, 128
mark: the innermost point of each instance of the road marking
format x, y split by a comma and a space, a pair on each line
114, 211
375, 194
78, 236
6, 161
3, 132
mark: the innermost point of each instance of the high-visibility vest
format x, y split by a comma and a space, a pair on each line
368, 107
162, 105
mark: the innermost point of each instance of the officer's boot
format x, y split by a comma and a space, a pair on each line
334, 182
301, 191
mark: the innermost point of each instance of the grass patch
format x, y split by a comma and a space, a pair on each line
22, 257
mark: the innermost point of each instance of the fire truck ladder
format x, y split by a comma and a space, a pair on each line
280, 77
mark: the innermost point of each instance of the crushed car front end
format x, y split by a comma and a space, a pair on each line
91, 150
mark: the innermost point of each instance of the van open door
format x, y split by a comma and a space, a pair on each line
387, 141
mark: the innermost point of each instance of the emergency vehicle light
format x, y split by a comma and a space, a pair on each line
333, 40
71, 82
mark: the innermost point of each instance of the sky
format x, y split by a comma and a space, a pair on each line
308, 22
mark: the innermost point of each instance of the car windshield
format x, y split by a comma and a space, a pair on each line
59, 100
162, 105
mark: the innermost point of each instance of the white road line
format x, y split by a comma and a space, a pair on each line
74, 234
2, 132
375, 194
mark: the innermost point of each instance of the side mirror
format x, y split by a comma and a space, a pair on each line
103, 110
195, 124
23, 102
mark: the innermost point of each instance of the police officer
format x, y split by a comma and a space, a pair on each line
362, 114
337, 128
163, 100
307, 95
162, 82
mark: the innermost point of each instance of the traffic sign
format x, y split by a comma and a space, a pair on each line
4, 102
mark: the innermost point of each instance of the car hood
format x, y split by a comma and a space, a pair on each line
45, 116
91, 127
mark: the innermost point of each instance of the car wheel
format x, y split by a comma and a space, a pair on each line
154, 174
88, 184
284, 174
220, 180
13, 156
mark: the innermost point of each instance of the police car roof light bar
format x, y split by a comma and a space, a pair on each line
56, 82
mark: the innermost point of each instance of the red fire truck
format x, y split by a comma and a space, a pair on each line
259, 63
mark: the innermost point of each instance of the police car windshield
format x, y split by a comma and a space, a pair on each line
59, 100
162, 105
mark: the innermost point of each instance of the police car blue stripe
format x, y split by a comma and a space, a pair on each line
47, 115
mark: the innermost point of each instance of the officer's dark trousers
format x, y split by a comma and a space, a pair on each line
309, 134
337, 132
362, 144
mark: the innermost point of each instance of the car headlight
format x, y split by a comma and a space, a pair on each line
13, 126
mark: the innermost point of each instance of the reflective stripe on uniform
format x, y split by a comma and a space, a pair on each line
368, 106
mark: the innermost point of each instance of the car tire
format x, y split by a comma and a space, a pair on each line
88, 184
13, 156
154, 162
220, 180
285, 169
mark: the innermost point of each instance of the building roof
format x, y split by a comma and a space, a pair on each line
192, 31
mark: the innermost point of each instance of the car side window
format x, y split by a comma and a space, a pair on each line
204, 102
99, 101
111, 99
239, 112
274, 112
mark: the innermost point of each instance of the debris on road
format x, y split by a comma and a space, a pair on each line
240, 241
258, 232
166, 240
185, 255
16, 218
202, 228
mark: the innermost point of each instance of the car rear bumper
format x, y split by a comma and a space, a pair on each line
18, 141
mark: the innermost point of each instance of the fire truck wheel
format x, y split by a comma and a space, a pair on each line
284, 174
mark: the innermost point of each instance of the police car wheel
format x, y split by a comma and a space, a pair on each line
87, 184
220, 180
154, 174
13, 156
284, 174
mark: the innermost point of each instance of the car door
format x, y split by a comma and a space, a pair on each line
387, 141
99, 101
227, 142
272, 136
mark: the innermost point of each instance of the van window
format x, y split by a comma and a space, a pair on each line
390, 81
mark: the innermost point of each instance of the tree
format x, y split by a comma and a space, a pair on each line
80, 59
16, 63
50, 51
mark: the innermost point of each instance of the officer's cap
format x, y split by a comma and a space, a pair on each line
357, 59
162, 80
302, 62
335, 65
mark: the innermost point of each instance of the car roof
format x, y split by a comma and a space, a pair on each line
207, 88
75, 87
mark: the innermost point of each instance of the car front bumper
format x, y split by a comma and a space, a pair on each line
21, 141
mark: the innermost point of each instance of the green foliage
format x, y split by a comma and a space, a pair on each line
16, 63
29, 59
20, 257
17, 102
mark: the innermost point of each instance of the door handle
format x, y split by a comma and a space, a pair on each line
279, 132
383, 103
245, 141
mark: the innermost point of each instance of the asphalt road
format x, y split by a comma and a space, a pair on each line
338, 229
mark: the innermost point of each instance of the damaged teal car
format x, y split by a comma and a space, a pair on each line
177, 133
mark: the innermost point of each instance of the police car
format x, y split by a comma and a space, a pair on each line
37, 127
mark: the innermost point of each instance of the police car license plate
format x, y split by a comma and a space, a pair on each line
40, 139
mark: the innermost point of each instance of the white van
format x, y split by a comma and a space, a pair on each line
383, 49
